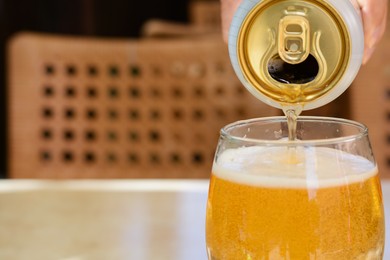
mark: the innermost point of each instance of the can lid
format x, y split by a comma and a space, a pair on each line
296, 52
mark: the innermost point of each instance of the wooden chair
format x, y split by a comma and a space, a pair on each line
120, 108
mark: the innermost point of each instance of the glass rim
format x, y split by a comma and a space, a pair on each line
362, 131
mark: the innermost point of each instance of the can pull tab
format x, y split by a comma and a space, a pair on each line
294, 39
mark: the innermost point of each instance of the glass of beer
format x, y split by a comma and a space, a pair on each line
317, 197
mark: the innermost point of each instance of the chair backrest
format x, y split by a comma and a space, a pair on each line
205, 14
118, 108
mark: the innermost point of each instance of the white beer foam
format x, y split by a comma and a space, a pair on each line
314, 167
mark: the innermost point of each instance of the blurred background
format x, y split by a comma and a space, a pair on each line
366, 102
116, 18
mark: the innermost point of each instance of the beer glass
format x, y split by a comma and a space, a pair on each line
317, 197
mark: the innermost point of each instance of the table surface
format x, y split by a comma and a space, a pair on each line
111, 219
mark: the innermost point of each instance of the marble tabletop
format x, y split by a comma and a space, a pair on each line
110, 219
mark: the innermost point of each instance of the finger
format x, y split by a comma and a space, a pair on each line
228, 7
374, 16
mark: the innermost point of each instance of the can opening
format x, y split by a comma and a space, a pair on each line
287, 73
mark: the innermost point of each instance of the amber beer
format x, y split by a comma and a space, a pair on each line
305, 203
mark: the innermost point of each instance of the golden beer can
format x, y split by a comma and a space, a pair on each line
291, 53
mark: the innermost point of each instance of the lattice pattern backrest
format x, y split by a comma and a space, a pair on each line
95, 108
